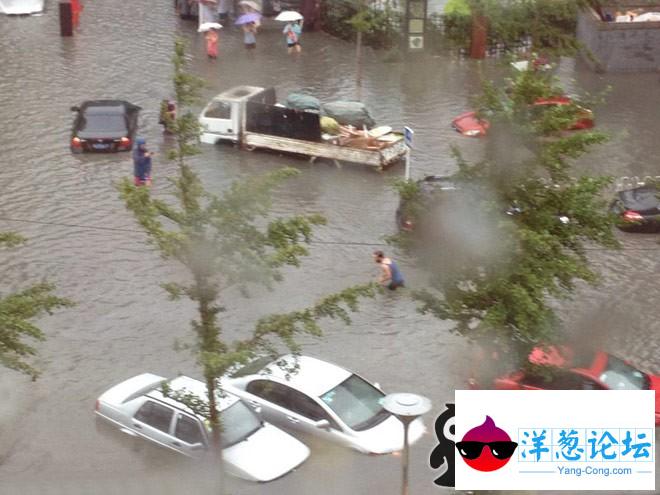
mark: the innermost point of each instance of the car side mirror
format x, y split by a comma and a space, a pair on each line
75, 109
323, 424
377, 385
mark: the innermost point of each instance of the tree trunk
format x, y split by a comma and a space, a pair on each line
358, 69
213, 418
209, 341
479, 36
311, 11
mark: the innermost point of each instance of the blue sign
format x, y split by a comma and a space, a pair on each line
408, 134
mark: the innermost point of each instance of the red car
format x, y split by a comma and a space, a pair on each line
581, 371
469, 125
585, 118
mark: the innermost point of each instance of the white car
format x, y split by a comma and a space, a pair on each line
252, 449
322, 399
21, 7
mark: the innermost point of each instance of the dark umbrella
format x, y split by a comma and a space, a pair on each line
248, 18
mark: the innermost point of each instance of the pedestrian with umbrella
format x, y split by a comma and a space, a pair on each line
293, 29
211, 30
249, 24
249, 6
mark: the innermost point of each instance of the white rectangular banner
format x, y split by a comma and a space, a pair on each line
555, 440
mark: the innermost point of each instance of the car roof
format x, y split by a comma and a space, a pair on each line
314, 377
563, 356
239, 93
190, 385
642, 197
107, 107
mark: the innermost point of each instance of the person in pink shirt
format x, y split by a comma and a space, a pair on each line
212, 43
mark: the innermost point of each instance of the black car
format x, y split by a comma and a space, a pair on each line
408, 214
638, 209
454, 194
104, 125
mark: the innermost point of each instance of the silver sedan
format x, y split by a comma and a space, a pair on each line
138, 407
323, 399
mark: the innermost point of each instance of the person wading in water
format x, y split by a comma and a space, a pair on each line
391, 276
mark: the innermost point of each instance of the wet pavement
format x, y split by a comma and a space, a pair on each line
82, 238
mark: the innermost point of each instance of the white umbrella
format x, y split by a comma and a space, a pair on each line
207, 26
251, 4
289, 16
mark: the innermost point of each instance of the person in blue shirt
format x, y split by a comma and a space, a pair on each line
391, 276
141, 163
250, 35
293, 31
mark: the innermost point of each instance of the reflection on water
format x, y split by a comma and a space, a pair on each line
82, 238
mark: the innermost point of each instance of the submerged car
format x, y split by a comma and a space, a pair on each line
407, 213
21, 7
638, 209
324, 400
470, 125
584, 370
440, 191
251, 448
104, 125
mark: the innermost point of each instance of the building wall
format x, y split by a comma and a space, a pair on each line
619, 46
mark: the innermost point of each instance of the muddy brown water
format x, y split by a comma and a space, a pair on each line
82, 238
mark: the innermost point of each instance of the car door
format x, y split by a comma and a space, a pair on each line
220, 118
272, 398
291, 408
190, 438
308, 412
154, 421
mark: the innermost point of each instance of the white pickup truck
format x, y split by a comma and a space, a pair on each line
249, 116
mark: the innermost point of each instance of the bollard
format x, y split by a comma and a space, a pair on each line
66, 19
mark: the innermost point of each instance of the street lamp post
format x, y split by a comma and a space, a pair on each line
407, 408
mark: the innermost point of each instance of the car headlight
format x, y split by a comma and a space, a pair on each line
472, 132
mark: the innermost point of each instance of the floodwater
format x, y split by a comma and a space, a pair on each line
82, 239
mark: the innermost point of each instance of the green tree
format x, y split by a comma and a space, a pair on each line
516, 234
368, 19
550, 24
361, 23
227, 241
16, 311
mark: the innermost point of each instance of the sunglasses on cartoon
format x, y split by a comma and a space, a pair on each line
500, 450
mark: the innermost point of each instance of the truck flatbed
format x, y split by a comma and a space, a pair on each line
377, 158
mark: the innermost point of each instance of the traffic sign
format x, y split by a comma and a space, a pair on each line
408, 134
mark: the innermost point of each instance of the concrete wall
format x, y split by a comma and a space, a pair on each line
620, 46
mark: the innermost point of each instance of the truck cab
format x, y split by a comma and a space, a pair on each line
223, 119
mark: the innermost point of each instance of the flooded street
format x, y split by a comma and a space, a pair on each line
83, 239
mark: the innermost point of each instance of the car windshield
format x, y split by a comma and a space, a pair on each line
238, 423
357, 403
103, 123
619, 375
